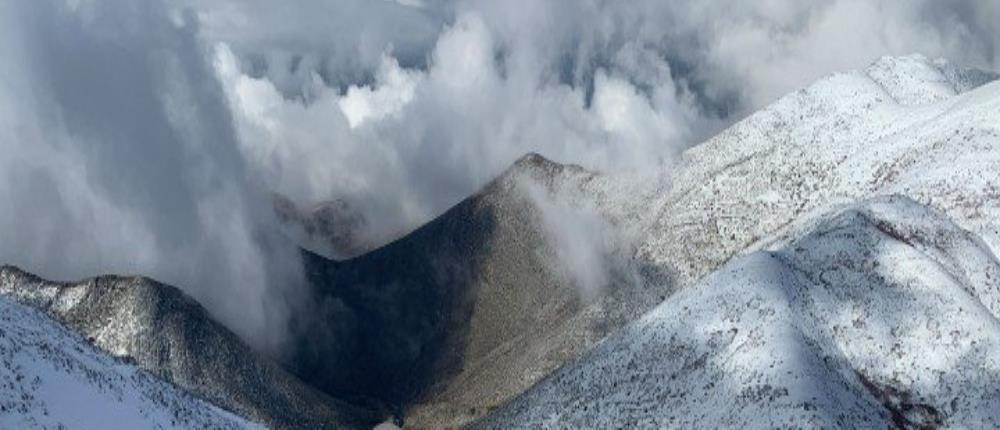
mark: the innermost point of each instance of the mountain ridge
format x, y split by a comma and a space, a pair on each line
166, 332
53, 378
762, 192
479, 290
832, 329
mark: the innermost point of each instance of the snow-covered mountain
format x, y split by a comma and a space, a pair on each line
829, 312
474, 300
828, 261
53, 378
884, 314
906, 125
163, 331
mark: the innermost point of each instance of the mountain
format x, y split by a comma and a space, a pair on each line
163, 331
882, 315
829, 261
812, 309
52, 378
471, 309
905, 125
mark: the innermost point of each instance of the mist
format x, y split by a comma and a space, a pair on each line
119, 156
147, 137
610, 86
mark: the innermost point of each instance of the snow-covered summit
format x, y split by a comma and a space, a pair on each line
845, 138
914, 79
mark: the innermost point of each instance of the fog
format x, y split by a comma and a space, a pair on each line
146, 137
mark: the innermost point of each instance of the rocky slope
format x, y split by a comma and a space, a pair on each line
161, 330
891, 304
52, 378
474, 307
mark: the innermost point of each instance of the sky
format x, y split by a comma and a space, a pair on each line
148, 137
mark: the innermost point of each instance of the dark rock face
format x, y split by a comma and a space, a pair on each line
458, 316
164, 331
398, 304
439, 327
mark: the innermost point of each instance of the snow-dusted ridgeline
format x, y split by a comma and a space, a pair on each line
165, 332
847, 315
53, 378
883, 314
908, 125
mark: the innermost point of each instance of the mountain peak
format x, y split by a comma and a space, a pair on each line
916, 79
537, 166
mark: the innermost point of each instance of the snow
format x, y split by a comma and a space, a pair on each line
833, 257
160, 330
902, 126
885, 312
834, 262
52, 378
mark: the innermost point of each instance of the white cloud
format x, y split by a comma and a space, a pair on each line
606, 85
394, 89
122, 150
118, 155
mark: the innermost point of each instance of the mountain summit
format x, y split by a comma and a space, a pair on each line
836, 263
829, 261
465, 312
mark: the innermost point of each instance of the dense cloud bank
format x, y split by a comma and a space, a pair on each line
145, 137
118, 154
413, 105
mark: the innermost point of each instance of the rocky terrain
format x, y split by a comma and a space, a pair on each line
459, 316
905, 125
163, 331
829, 261
829, 313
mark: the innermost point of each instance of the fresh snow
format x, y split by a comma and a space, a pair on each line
884, 314
796, 305
833, 257
52, 378
902, 126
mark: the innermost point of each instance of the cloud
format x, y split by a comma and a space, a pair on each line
582, 241
415, 141
342, 40
145, 138
608, 85
118, 155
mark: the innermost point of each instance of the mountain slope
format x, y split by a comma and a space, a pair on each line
907, 125
162, 330
883, 315
52, 378
472, 308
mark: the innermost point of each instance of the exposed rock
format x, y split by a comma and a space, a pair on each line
467, 311
164, 331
